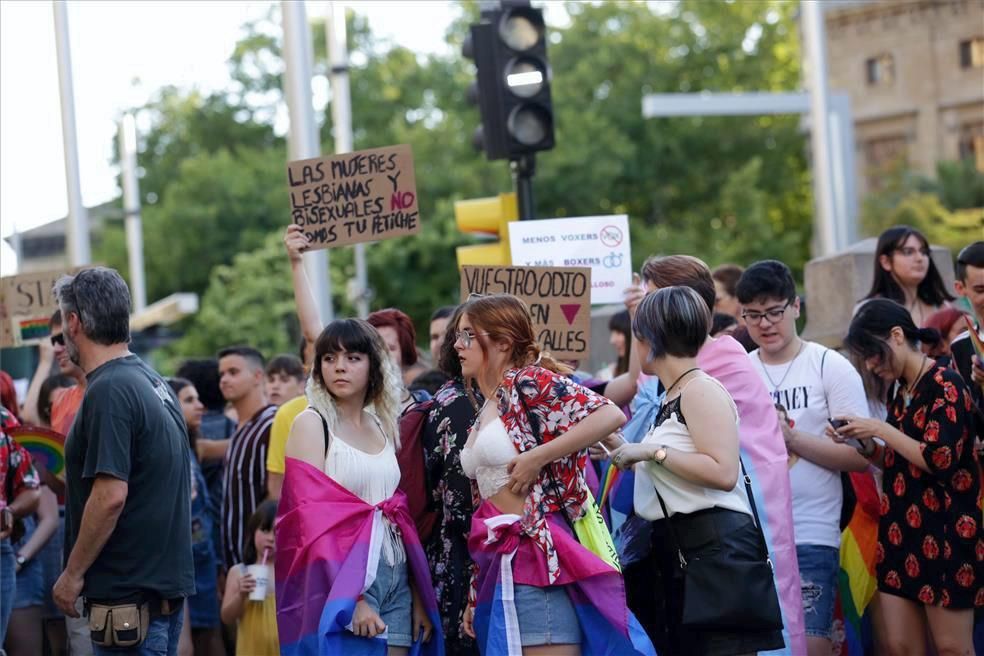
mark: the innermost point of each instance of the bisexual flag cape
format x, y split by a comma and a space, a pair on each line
328, 547
506, 557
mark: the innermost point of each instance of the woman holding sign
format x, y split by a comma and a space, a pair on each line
527, 451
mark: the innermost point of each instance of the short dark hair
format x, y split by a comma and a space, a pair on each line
50, 384
764, 280
444, 312
262, 518
873, 323
727, 275
970, 255
430, 381
56, 320
287, 364
682, 270
248, 353
721, 321
203, 373
101, 299
447, 358
672, 321
621, 322
931, 290
177, 384
352, 336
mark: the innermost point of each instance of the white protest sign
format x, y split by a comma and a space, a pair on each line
598, 242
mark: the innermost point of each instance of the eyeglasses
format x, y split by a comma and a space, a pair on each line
909, 251
772, 316
58, 340
466, 337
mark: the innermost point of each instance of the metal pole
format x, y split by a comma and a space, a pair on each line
77, 230
303, 139
522, 172
131, 210
823, 189
341, 118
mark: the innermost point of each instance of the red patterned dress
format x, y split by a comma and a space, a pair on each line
930, 541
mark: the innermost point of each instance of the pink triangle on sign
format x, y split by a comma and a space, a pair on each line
570, 311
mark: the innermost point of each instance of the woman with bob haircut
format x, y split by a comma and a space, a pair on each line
905, 273
930, 553
688, 466
351, 572
527, 452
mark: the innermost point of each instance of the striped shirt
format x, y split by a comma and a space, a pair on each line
245, 481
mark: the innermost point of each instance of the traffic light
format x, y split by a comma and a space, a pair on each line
509, 47
486, 216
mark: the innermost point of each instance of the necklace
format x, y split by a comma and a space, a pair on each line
775, 385
909, 389
679, 378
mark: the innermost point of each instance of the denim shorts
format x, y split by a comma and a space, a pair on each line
30, 579
389, 596
546, 616
818, 567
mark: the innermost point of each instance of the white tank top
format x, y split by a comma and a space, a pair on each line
373, 477
488, 458
679, 494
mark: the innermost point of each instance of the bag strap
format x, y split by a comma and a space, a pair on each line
324, 425
751, 502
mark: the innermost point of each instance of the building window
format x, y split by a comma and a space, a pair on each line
972, 53
880, 70
882, 156
972, 144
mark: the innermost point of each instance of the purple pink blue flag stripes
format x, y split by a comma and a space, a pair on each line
595, 588
324, 536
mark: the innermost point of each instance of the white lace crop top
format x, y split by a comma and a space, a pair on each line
487, 459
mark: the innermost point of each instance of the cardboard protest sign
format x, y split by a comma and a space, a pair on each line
26, 306
356, 197
599, 242
558, 297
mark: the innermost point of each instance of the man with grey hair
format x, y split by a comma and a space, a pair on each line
128, 506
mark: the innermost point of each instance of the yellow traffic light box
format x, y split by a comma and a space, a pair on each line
486, 216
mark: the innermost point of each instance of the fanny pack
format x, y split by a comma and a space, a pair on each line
124, 623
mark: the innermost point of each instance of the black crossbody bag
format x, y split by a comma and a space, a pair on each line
726, 591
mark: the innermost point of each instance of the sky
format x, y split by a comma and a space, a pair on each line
113, 45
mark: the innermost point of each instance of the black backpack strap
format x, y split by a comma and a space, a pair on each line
324, 425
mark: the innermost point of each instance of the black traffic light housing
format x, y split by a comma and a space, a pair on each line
509, 48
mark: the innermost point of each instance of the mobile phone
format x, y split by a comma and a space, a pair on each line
838, 423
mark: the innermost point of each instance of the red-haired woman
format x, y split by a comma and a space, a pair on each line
527, 451
401, 340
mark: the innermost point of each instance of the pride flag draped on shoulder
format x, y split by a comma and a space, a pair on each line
328, 543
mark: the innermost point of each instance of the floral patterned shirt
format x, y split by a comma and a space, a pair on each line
15, 461
556, 404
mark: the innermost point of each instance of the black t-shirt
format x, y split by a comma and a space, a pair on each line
130, 427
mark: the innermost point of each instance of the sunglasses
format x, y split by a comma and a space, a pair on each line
58, 340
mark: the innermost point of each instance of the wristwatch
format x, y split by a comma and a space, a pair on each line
21, 560
660, 455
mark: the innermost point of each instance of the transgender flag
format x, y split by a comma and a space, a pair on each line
328, 546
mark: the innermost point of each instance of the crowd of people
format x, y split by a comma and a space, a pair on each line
365, 496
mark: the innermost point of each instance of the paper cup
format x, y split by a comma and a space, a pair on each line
262, 575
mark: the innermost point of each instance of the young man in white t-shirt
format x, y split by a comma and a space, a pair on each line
812, 383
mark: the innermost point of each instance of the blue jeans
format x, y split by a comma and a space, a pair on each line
8, 586
818, 567
162, 638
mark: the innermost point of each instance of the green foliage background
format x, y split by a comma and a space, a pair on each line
724, 189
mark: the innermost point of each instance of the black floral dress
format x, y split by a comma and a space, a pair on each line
445, 433
930, 541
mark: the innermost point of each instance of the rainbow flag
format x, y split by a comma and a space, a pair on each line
506, 557
857, 583
47, 447
32, 329
328, 546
